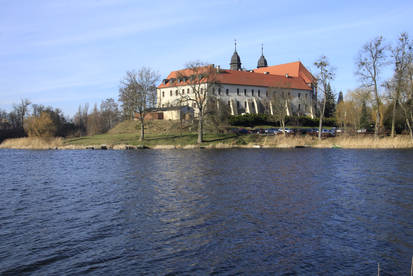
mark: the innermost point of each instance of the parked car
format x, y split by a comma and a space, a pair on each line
271, 131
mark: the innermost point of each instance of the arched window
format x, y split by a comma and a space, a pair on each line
163, 94
170, 93
238, 91
259, 93
252, 92
176, 92
227, 92
219, 91
245, 92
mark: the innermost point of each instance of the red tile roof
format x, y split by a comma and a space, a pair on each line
257, 79
245, 78
294, 69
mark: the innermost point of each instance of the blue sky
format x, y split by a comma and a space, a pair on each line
65, 53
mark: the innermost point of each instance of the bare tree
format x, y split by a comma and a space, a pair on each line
324, 76
109, 113
21, 109
202, 80
138, 93
370, 61
279, 105
402, 57
81, 118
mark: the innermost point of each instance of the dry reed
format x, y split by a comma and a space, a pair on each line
32, 143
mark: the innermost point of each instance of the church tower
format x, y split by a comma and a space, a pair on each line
262, 62
235, 60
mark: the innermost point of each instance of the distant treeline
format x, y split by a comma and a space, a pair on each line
27, 119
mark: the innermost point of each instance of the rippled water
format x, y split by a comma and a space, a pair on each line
280, 212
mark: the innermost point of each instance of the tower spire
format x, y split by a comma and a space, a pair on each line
235, 59
262, 62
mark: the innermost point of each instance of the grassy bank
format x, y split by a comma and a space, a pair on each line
188, 141
164, 134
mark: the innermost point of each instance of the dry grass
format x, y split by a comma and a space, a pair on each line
32, 143
349, 142
399, 142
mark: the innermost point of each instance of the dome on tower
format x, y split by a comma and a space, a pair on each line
262, 62
235, 60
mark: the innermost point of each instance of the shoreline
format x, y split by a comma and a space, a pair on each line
399, 142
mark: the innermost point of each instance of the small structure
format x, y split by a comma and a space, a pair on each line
168, 113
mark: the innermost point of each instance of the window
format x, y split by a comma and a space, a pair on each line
176, 92
252, 92
219, 91
299, 106
266, 93
299, 95
163, 94
227, 92
170, 93
183, 91
237, 104
289, 94
238, 91
229, 103
245, 92
193, 105
187, 91
202, 90
245, 104
259, 93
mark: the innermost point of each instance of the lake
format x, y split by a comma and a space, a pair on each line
190, 212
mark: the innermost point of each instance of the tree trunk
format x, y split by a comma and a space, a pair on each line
201, 127
283, 126
142, 127
410, 128
393, 119
321, 118
377, 123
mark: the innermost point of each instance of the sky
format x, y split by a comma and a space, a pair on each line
65, 53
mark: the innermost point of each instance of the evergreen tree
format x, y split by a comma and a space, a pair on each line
330, 102
364, 118
340, 98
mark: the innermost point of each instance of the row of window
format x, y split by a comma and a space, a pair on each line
215, 91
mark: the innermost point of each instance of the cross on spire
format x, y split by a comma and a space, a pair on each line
262, 49
235, 41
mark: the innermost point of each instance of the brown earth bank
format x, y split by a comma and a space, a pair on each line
399, 142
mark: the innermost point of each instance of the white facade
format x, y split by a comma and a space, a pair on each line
240, 98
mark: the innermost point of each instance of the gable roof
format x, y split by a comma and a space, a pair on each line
294, 69
242, 78
257, 79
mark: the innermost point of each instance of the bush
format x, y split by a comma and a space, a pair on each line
248, 120
42, 126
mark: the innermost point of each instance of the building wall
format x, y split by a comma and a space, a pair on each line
240, 98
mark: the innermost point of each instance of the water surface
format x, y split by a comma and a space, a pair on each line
252, 211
